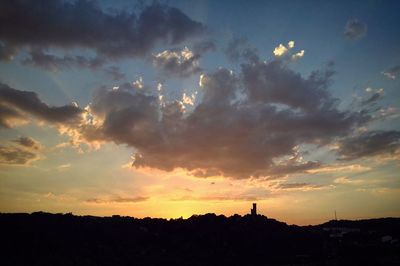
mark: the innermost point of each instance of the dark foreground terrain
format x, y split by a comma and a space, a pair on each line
65, 239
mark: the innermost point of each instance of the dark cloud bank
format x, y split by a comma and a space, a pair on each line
40, 25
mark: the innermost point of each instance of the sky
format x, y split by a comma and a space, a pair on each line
174, 108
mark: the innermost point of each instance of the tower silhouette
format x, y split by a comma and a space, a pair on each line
254, 209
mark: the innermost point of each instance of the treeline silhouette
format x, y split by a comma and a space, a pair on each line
65, 239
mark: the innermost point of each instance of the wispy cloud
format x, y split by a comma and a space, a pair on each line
301, 186
117, 200
392, 73
21, 151
371, 143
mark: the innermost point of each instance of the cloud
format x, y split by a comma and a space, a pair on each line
64, 166
344, 168
11, 155
219, 198
182, 63
127, 115
28, 143
245, 125
387, 113
298, 55
392, 73
204, 46
188, 100
300, 186
115, 73
84, 24
286, 52
39, 58
376, 94
240, 49
344, 180
370, 143
16, 104
21, 151
117, 200
6, 52
355, 29
280, 50
274, 83
9, 117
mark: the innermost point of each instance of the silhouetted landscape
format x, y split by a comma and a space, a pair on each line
65, 239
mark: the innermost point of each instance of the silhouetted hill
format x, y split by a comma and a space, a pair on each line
383, 226
64, 239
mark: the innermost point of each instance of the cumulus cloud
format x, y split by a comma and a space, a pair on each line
392, 73
280, 50
298, 55
355, 29
246, 125
16, 104
182, 63
274, 83
370, 143
286, 52
84, 24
